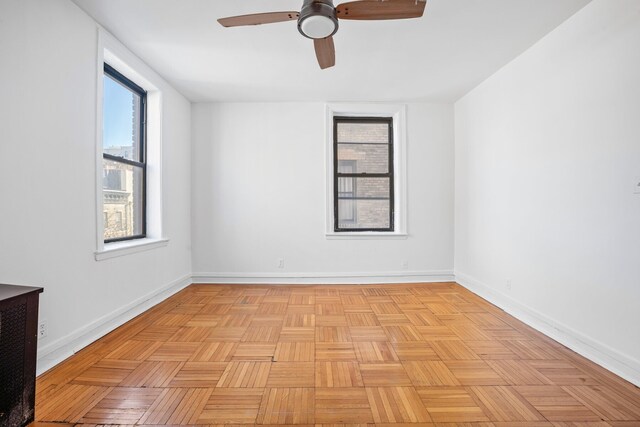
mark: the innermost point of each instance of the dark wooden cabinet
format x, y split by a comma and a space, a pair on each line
18, 351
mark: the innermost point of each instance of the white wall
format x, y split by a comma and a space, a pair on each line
547, 158
48, 85
258, 190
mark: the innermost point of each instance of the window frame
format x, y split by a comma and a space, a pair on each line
111, 72
390, 174
400, 122
112, 51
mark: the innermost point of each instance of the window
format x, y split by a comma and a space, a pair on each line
366, 171
363, 178
128, 157
123, 157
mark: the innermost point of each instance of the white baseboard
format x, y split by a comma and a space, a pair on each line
326, 278
51, 354
594, 350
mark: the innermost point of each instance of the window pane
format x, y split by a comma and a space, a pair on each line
364, 203
364, 188
363, 214
122, 200
121, 120
369, 158
363, 132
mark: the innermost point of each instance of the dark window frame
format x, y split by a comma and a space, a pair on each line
142, 155
337, 174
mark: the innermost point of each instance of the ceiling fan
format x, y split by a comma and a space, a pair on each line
318, 19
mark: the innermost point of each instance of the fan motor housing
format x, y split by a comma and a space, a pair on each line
320, 12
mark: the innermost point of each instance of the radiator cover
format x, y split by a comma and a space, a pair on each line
18, 347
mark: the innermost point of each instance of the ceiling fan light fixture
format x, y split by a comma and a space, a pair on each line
318, 19
318, 27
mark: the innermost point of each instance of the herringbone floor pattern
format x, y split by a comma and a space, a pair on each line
423, 354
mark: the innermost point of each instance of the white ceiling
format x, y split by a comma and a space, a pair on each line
455, 46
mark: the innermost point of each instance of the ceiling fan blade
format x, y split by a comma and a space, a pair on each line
381, 9
258, 18
325, 52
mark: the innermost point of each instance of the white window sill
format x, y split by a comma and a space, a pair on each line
366, 235
117, 249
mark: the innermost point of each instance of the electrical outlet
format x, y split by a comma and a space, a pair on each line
404, 264
508, 284
42, 329
280, 262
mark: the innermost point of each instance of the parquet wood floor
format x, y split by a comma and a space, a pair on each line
367, 355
